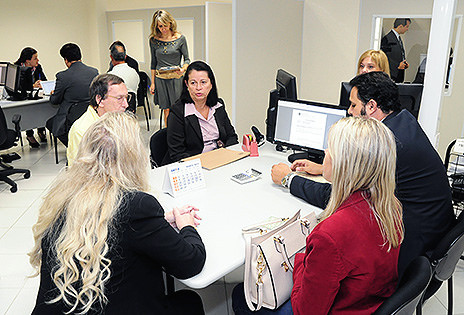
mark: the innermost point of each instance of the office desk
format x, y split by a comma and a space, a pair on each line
226, 206
34, 113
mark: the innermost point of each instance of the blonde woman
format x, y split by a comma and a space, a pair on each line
373, 60
168, 46
351, 258
101, 242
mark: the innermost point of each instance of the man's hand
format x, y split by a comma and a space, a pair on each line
306, 166
279, 171
403, 65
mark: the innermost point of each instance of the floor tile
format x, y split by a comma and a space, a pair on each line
214, 300
458, 292
24, 302
29, 217
7, 296
9, 216
14, 270
17, 241
20, 199
433, 307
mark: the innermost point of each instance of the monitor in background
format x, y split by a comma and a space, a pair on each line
271, 115
18, 82
410, 97
345, 95
304, 126
286, 85
3, 67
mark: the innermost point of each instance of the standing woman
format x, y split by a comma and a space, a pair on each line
167, 47
30, 58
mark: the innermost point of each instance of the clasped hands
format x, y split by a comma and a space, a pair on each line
183, 216
280, 170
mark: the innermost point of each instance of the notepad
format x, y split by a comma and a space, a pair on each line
47, 86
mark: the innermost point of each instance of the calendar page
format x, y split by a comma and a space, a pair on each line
183, 176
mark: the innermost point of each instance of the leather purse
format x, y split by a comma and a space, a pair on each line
268, 278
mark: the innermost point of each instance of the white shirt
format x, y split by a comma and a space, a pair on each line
129, 75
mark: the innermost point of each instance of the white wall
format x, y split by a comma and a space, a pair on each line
268, 37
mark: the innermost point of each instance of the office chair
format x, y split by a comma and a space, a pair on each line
142, 95
158, 147
410, 289
75, 111
443, 260
8, 139
132, 103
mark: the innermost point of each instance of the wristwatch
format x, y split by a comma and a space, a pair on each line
286, 180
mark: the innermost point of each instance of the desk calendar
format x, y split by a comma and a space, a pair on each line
183, 176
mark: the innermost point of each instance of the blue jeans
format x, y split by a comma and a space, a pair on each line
240, 306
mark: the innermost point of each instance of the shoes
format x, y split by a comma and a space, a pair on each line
32, 142
43, 137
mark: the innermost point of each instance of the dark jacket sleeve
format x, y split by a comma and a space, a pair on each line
314, 193
39, 74
58, 94
181, 254
176, 133
226, 131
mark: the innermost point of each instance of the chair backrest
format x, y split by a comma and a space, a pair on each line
142, 90
446, 254
133, 102
3, 127
75, 111
158, 146
410, 289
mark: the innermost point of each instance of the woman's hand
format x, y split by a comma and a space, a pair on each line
152, 88
37, 84
307, 166
172, 218
180, 71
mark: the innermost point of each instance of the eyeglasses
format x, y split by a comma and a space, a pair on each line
120, 99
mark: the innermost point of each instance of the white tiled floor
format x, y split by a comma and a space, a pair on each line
18, 212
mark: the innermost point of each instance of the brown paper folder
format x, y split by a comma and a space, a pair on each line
213, 159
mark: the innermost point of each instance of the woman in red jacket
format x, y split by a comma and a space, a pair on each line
351, 257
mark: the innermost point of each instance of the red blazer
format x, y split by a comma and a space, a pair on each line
346, 268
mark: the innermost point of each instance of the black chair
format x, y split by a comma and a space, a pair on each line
444, 259
142, 95
132, 102
158, 147
8, 138
75, 111
410, 289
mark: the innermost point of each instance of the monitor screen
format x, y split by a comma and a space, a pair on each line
3, 67
286, 84
12, 78
303, 125
345, 95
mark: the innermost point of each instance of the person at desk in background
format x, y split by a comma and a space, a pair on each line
124, 71
29, 57
167, 47
350, 263
108, 93
131, 62
72, 86
422, 184
373, 60
198, 121
393, 47
102, 242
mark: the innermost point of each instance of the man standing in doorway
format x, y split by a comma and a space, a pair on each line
392, 46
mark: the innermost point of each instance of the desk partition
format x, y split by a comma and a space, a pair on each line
34, 113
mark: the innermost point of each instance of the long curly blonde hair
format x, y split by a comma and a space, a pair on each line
84, 200
363, 152
165, 18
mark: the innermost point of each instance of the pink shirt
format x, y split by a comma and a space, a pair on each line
209, 128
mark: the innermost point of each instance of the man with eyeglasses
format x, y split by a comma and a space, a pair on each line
108, 93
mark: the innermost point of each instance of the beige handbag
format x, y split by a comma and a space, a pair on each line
268, 278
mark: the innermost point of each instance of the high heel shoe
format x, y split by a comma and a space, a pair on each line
43, 137
33, 143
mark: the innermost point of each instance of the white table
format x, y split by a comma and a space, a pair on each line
226, 206
34, 113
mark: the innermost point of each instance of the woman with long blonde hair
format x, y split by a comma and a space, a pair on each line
101, 241
168, 47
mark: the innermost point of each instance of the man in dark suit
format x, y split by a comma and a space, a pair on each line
392, 46
72, 86
422, 184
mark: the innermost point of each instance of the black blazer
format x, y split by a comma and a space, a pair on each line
39, 74
390, 45
421, 185
143, 244
72, 86
184, 134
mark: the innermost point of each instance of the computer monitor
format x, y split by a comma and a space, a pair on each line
3, 67
271, 115
304, 126
410, 95
286, 84
18, 82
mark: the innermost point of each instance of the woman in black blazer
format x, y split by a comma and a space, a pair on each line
102, 243
198, 121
